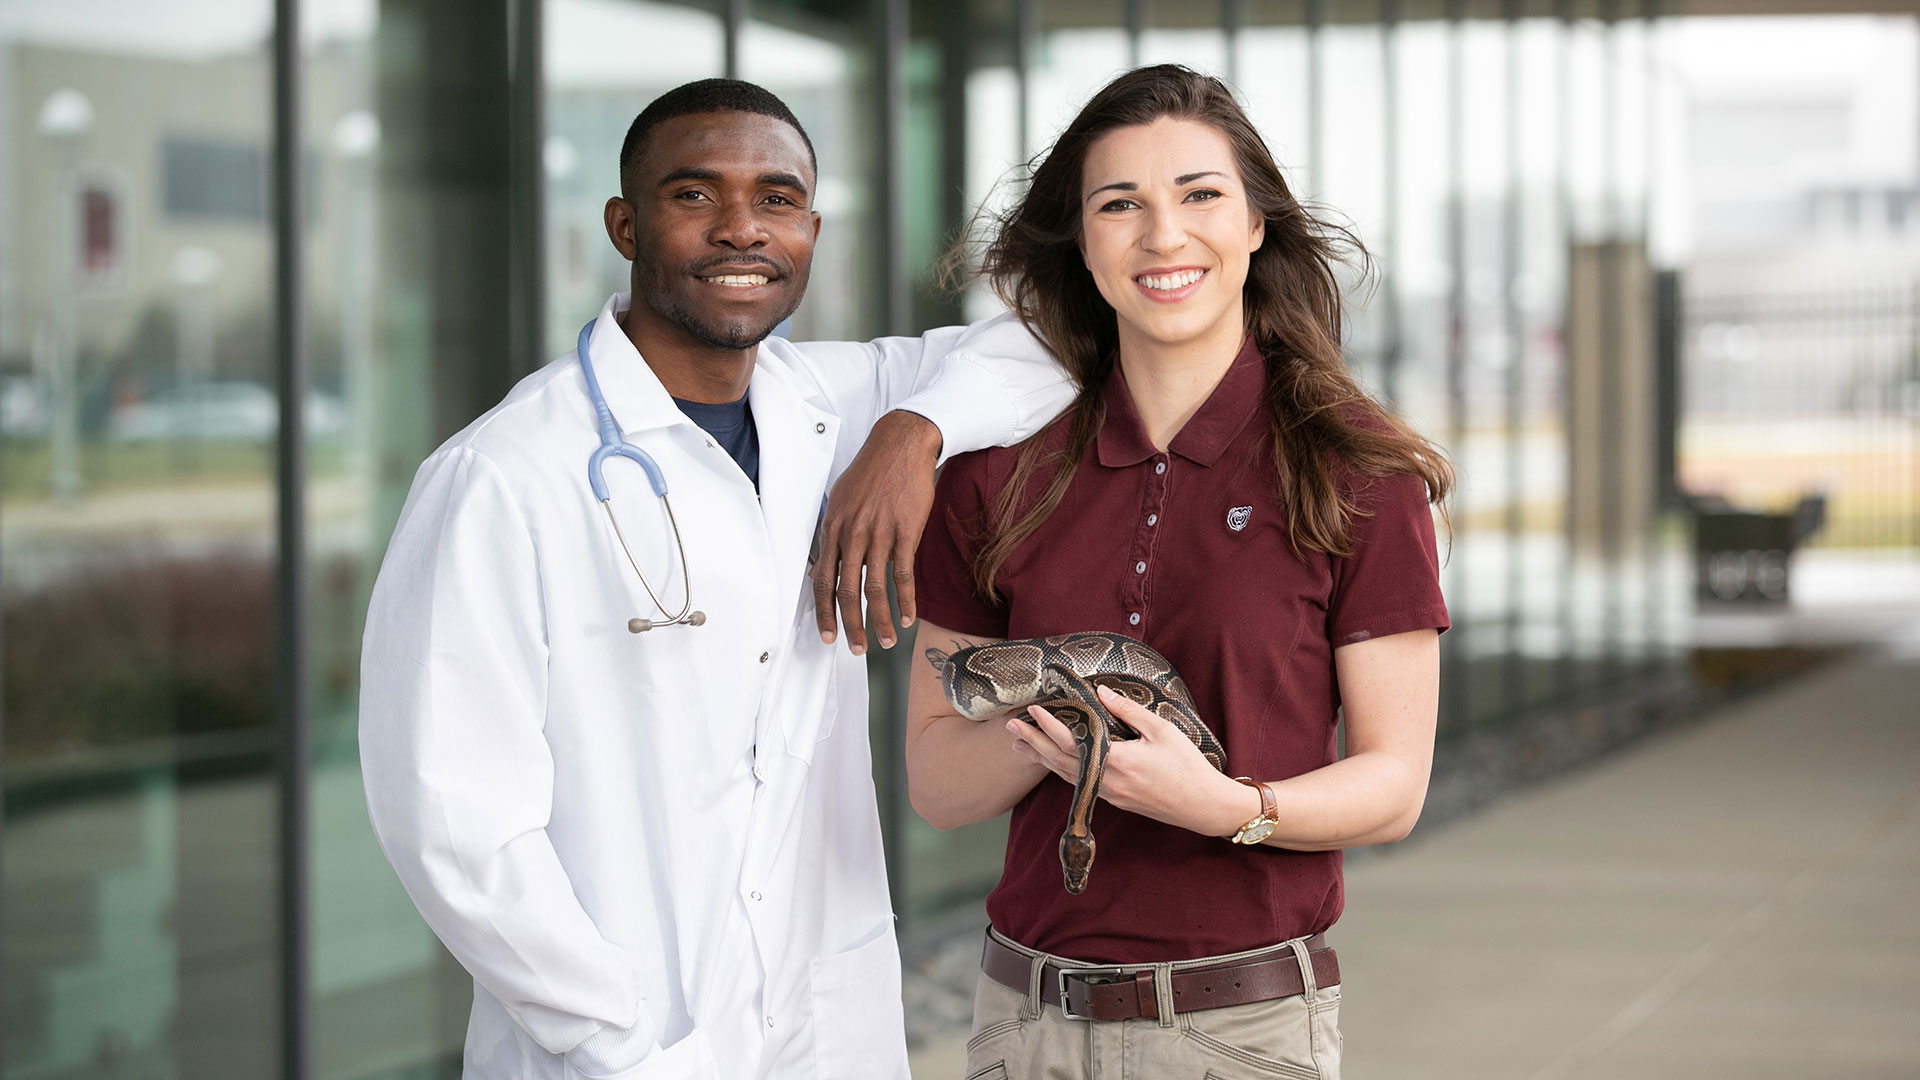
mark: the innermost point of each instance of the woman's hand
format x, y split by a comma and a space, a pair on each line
1161, 775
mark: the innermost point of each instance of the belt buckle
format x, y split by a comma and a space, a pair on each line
1061, 975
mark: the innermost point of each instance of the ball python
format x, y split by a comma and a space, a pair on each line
1060, 673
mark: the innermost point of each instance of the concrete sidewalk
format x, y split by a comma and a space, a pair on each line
1738, 898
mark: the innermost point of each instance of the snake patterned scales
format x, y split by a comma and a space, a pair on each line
1060, 673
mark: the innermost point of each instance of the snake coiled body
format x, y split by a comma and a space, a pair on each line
1060, 674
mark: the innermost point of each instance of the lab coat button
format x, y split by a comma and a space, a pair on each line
763, 657
769, 1021
755, 895
818, 429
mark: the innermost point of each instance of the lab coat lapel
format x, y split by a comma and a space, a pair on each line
796, 456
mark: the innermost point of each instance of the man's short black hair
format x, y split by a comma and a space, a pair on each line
705, 96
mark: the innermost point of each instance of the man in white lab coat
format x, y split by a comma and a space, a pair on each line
658, 853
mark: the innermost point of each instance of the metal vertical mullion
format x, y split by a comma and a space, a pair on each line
1568, 667
1514, 672
733, 21
896, 300
1316, 122
1650, 139
1394, 339
1026, 31
1137, 19
1612, 528
526, 198
1233, 19
1456, 691
291, 610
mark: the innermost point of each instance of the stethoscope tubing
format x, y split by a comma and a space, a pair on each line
612, 445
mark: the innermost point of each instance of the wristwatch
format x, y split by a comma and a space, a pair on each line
1262, 826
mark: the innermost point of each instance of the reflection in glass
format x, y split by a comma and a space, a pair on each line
136, 543
818, 58
595, 85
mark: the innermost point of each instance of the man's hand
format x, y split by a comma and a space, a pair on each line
876, 514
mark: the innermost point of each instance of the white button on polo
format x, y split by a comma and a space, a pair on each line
1139, 568
1159, 467
1153, 519
1133, 619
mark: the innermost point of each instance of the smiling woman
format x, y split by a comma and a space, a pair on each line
1160, 253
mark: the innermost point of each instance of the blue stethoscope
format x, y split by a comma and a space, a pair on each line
612, 445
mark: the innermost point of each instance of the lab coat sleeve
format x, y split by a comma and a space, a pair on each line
988, 384
458, 773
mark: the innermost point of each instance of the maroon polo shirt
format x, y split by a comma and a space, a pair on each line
1188, 551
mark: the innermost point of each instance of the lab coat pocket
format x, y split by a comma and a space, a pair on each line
858, 1024
689, 1059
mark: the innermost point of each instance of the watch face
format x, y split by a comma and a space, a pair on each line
1254, 833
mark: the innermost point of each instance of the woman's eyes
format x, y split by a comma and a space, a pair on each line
1198, 195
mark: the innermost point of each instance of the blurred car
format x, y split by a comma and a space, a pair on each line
224, 411
23, 408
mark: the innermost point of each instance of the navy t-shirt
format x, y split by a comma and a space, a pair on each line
731, 425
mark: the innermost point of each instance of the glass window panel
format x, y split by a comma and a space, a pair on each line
605, 60
137, 541
387, 1001
818, 57
1071, 62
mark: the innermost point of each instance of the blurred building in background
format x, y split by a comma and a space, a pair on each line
1648, 270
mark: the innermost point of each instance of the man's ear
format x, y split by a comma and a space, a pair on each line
816, 226
619, 217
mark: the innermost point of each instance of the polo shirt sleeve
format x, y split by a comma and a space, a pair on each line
944, 591
1390, 584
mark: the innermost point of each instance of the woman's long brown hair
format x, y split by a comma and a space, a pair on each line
1318, 413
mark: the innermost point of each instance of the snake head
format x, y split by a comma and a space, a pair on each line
1076, 861
993, 680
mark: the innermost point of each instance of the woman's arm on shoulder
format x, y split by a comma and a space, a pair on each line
959, 771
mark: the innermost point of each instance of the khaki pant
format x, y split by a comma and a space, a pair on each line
1016, 1036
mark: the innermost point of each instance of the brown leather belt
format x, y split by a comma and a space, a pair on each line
1123, 992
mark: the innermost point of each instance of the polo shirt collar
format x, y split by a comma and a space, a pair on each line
1123, 441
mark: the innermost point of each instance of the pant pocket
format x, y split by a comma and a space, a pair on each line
1261, 1039
999, 1016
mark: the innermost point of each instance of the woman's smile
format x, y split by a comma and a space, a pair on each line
1170, 286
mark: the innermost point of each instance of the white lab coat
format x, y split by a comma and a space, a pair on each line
657, 854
